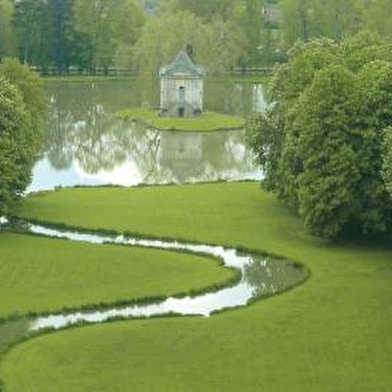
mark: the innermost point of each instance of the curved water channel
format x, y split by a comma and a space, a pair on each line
260, 276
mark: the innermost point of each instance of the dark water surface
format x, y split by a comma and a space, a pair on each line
86, 145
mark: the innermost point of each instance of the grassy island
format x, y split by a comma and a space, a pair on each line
47, 275
330, 334
208, 121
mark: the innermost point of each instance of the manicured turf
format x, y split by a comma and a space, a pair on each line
39, 274
208, 121
331, 334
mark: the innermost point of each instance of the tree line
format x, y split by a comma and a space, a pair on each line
89, 34
64, 33
326, 142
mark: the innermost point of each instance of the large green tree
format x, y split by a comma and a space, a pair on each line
21, 113
13, 124
321, 142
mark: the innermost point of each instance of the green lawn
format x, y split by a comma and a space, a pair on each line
245, 78
332, 333
40, 275
208, 121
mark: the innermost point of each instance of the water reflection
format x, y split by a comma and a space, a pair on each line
260, 276
103, 150
86, 145
259, 102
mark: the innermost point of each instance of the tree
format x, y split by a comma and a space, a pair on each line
29, 85
60, 33
387, 160
20, 135
321, 142
31, 23
329, 162
217, 45
108, 26
129, 20
296, 20
206, 10
374, 84
13, 123
7, 38
378, 17
307, 19
249, 15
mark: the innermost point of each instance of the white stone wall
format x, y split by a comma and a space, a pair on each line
193, 92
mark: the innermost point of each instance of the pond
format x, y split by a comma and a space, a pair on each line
86, 145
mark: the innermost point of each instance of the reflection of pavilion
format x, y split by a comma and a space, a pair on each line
180, 146
181, 153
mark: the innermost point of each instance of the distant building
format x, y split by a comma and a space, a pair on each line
272, 13
149, 6
181, 87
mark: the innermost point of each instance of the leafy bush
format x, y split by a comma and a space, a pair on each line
321, 142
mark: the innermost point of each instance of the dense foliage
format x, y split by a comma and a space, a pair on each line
89, 35
21, 112
216, 45
321, 142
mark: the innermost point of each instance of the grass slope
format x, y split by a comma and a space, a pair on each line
331, 334
208, 121
39, 274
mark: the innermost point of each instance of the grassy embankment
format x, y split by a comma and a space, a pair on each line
207, 122
331, 334
40, 275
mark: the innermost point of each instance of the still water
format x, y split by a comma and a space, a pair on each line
86, 145
260, 276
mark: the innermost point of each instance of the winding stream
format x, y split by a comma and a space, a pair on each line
260, 276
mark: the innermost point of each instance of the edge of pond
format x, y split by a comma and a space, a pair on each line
146, 121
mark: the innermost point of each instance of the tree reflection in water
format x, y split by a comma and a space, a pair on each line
86, 145
275, 275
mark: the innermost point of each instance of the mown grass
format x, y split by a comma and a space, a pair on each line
40, 275
332, 333
208, 121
